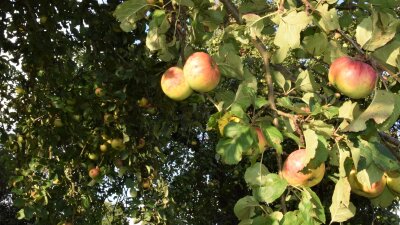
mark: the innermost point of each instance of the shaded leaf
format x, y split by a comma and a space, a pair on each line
244, 208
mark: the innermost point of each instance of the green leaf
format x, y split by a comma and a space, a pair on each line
272, 189
229, 62
254, 24
129, 12
239, 141
322, 128
383, 157
389, 53
244, 208
377, 30
273, 136
384, 200
316, 44
290, 26
369, 175
329, 19
188, 3
380, 109
394, 116
280, 55
306, 82
256, 174
159, 25
311, 139
318, 208
341, 209
230, 152
349, 110
281, 81
292, 218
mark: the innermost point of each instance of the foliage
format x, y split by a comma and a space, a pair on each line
174, 166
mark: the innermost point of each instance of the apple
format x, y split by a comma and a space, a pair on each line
117, 144
94, 172
262, 142
43, 19
370, 192
393, 183
19, 91
146, 183
201, 72
99, 92
292, 170
174, 84
93, 156
103, 147
143, 102
58, 122
353, 78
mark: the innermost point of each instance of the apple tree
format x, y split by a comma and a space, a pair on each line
300, 128
275, 57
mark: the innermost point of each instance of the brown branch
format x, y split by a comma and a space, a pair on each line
266, 55
394, 142
349, 39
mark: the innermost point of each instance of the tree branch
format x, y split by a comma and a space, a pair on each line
266, 55
394, 142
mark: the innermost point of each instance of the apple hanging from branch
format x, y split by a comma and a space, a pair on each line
293, 167
201, 72
373, 191
174, 84
353, 78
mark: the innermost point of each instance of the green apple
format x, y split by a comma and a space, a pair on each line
93, 156
103, 148
118, 144
58, 122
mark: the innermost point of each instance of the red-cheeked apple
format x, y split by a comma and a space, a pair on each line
94, 172
363, 190
353, 78
293, 167
174, 84
201, 72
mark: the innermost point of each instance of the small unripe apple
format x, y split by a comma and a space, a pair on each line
103, 147
19, 91
370, 192
99, 92
94, 172
293, 166
143, 102
353, 78
58, 122
43, 19
93, 156
146, 183
201, 72
117, 144
174, 84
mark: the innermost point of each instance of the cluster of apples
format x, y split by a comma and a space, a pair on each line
293, 172
200, 73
